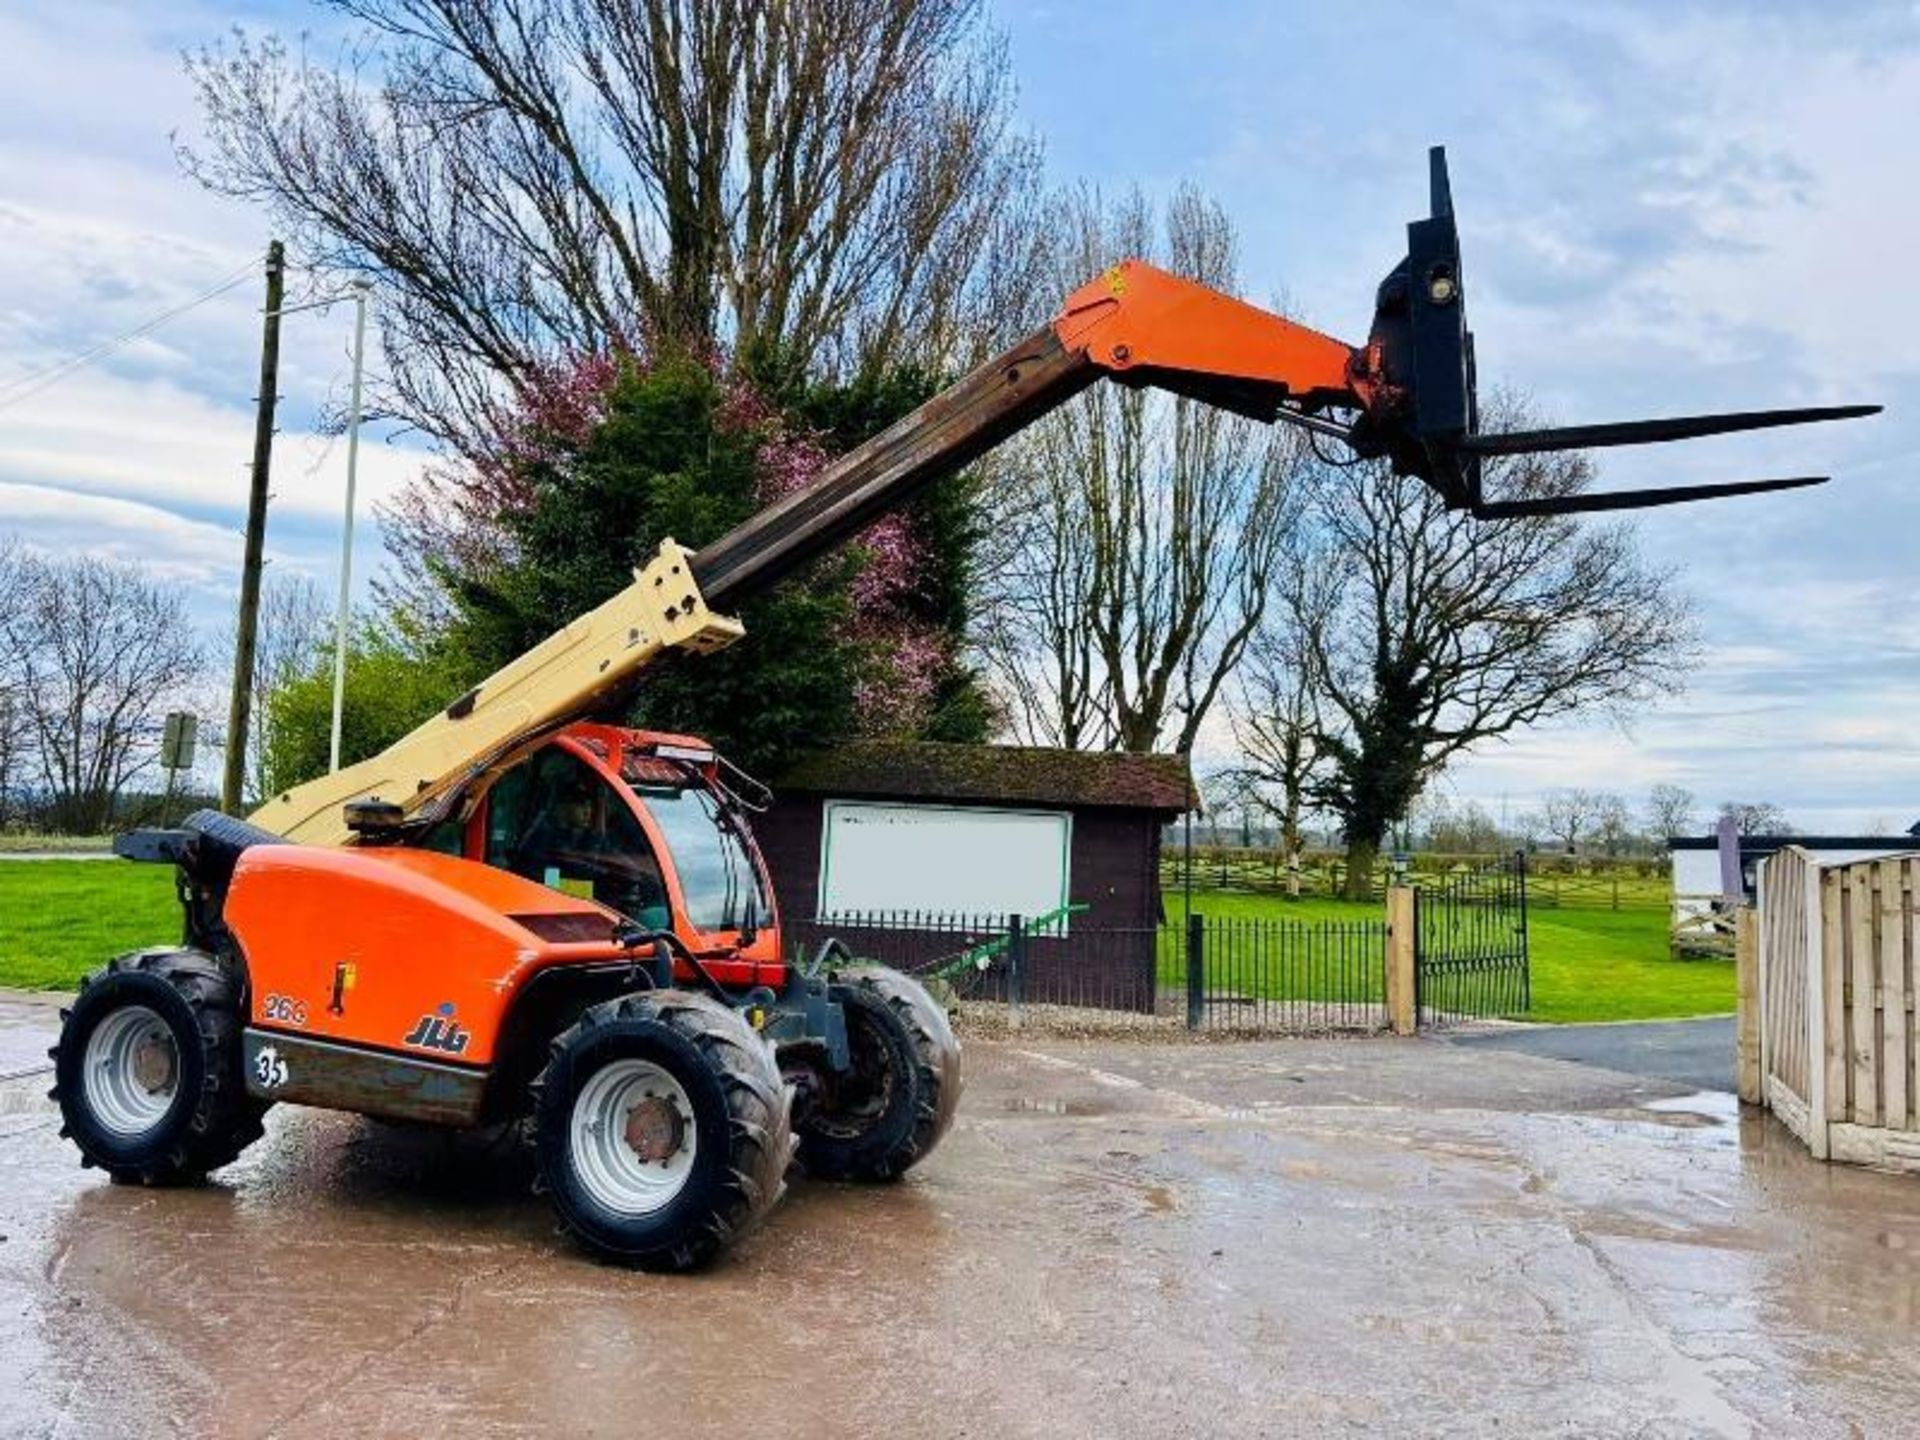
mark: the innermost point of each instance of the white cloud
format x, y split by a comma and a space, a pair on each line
157, 441
144, 454
126, 530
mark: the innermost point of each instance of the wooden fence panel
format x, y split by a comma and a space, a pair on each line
1875, 938
1786, 1056
1896, 1015
1837, 994
1862, 1093
1827, 1001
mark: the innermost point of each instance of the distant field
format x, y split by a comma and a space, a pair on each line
13, 843
61, 918
1552, 881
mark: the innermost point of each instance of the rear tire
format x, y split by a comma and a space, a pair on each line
147, 1071
662, 1129
904, 1088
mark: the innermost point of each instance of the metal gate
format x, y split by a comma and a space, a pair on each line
1470, 947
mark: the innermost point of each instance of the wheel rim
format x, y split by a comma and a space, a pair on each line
633, 1137
131, 1073
861, 1098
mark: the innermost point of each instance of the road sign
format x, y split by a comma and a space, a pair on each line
176, 740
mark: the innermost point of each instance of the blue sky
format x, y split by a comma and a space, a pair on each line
1665, 208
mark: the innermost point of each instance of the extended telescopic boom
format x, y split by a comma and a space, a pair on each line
1407, 396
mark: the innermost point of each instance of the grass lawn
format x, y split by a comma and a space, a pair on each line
1310, 950
1615, 965
1587, 964
60, 919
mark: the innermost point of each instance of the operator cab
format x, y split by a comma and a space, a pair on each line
635, 821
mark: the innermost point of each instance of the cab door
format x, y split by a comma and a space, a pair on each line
558, 820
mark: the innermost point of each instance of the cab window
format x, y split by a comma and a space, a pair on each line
555, 820
719, 884
449, 837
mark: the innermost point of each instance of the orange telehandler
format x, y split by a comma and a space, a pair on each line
518, 914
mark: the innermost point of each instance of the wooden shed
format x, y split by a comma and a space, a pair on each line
911, 848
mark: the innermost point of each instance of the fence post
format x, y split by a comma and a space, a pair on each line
1818, 1022
1196, 970
1746, 989
1402, 1012
1016, 967
1526, 940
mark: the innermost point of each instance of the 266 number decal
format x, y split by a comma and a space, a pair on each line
285, 1009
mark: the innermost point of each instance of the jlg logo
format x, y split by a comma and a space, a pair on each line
438, 1031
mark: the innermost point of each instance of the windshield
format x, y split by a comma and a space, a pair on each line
717, 877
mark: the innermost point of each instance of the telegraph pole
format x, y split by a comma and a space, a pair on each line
240, 708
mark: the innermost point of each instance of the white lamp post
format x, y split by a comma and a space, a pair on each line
362, 291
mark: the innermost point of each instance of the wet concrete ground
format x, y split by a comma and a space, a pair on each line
1262, 1239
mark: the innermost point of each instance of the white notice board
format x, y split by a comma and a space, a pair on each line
877, 857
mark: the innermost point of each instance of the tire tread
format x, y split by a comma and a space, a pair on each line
759, 1106
225, 1120
937, 1079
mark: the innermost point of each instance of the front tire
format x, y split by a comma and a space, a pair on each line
147, 1071
898, 1098
662, 1129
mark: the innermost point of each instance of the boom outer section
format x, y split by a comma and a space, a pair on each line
1144, 326
1135, 324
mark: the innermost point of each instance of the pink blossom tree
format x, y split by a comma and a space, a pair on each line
455, 521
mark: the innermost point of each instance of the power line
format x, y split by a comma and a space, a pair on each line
14, 391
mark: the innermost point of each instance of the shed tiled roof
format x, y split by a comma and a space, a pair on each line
1007, 774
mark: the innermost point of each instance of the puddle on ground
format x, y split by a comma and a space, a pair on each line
25, 1097
1028, 1105
1701, 1109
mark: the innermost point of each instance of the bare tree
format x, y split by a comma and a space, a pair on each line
13, 741
1464, 829
101, 649
1031, 622
835, 184
1231, 800
1275, 715
1568, 815
294, 636
1756, 817
1671, 810
1612, 823
14, 731
1448, 632
1139, 534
